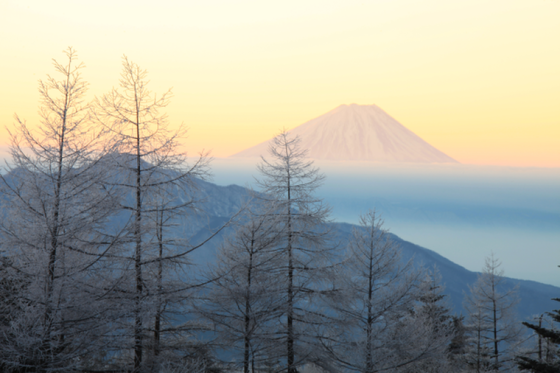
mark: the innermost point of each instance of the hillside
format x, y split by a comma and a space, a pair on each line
223, 201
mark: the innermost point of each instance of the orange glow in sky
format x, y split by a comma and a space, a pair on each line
477, 79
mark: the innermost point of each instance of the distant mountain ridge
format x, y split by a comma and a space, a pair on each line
222, 202
359, 133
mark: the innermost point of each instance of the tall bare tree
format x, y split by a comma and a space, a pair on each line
153, 171
290, 180
373, 327
246, 293
432, 310
55, 210
491, 319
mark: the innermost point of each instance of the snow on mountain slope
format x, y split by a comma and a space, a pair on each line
359, 133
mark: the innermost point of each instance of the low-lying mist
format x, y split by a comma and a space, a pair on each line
463, 212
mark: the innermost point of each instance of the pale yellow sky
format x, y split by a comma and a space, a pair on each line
478, 79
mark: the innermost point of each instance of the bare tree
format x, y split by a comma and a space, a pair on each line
373, 328
433, 310
477, 354
55, 212
153, 172
165, 265
289, 180
246, 293
491, 319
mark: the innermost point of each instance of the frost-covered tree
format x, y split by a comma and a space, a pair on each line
491, 321
432, 307
153, 172
55, 210
458, 345
477, 352
289, 181
246, 293
166, 277
373, 328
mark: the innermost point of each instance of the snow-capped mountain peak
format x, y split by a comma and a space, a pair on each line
359, 133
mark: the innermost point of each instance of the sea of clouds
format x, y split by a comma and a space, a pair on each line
463, 212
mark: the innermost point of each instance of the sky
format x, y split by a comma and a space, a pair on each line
477, 79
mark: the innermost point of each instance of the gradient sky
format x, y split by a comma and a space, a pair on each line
478, 79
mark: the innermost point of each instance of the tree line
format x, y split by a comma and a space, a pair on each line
96, 274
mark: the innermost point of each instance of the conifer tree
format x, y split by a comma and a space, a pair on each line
374, 327
491, 320
433, 310
550, 361
246, 292
152, 173
55, 211
288, 180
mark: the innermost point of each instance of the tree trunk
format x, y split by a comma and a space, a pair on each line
159, 306
495, 331
246, 355
55, 227
291, 357
138, 254
290, 339
369, 331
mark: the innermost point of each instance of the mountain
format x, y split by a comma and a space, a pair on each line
223, 201
359, 133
